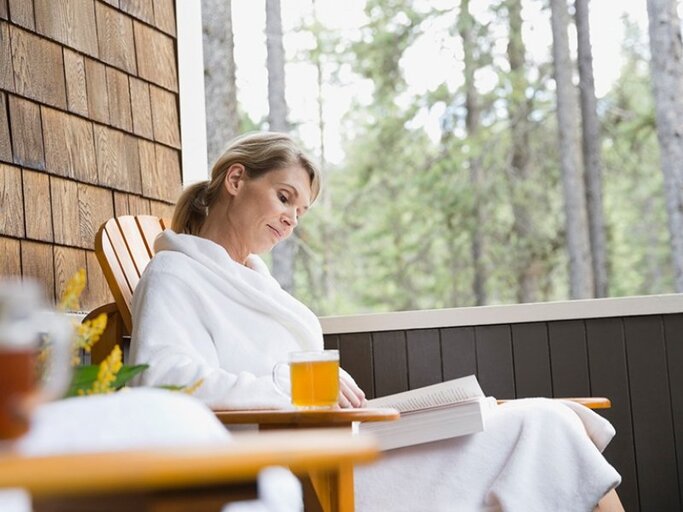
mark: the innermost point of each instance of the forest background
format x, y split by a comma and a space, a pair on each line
506, 180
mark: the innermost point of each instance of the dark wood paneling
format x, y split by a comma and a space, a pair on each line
569, 358
21, 13
69, 145
38, 206
5, 142
27, 133
115, 35
424, 357
390, 363
355, 356
38, 68
494, 360
673, 332
331, 341
652, 416
12, 201
609, 378
118, 159
165, 116
164, 16
458, 352
76, 91
6, 68
118, 91
531, 356
37, 261
156, 57
10, 263
96, 86
142, 109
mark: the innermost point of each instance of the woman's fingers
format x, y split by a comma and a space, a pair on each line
350, 395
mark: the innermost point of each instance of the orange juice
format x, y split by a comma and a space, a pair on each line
314, 383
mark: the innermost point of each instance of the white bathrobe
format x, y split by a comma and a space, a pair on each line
197, 314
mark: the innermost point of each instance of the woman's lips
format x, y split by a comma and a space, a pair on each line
275, 231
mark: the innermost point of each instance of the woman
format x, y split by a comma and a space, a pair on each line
207, 309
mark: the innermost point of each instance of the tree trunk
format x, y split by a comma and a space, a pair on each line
591, 151
580, 271
518, 113
466, 22
222, 119
283, 253
667, 82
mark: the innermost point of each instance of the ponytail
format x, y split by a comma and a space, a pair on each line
191, 209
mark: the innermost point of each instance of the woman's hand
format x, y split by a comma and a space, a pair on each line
350, 395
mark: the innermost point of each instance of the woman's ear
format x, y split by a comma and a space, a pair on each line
234, 178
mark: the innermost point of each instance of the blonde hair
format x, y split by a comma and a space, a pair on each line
259, 153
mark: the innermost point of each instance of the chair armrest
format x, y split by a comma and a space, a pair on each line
597, 402
278, 419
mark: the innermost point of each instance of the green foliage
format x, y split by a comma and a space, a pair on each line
85, 376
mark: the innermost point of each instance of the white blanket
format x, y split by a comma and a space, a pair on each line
198, 314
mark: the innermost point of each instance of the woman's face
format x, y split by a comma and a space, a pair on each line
265, 210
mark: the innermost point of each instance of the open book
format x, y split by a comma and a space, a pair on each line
448, 409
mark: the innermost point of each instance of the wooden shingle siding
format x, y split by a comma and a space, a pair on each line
156, 57
165, 117
142, 108
38, 68
115, 34
5, 142
6, 68
69, 145
21, 12
27, 131
118, 91
76, 90
38, 206
12, 201
10, 263
38, 262
635, 361
80, 128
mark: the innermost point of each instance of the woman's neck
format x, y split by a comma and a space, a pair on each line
218, 229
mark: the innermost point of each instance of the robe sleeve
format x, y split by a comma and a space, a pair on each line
169, 336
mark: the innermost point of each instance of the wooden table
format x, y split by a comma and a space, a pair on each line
197, 479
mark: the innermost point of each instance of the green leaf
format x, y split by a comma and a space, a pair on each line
85, 376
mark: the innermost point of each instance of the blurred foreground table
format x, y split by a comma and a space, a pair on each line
198, 479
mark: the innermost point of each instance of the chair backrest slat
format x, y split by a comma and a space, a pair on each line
124, 246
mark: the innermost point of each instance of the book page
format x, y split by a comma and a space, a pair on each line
436, 395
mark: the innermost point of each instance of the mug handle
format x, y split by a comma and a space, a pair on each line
276, 380
57, 376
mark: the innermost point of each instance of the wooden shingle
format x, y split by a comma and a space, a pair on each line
64, 194
69, 146
168, 180
97, 291
164, 16
67, 262
38, 206
141, 9
76, 92
96, 87
3, 9
27, 133
38, 68
10, 263
71, 22
121, 206
6, 69
11, 201
95, 206
21, 13
142, 109
115, 35
161, 209
156, 56
165, 116
38, 262
5, 144
118, 159
119, 99
139, 205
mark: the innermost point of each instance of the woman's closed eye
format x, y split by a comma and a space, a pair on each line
283, 198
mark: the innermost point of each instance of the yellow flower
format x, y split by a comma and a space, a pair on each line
193, 387
107, 372
73, 291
